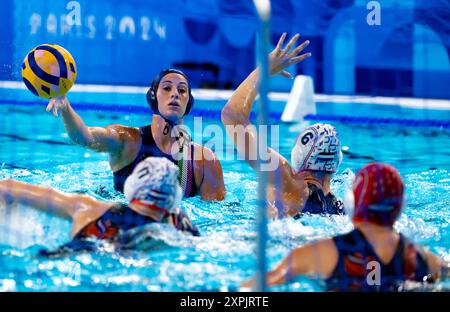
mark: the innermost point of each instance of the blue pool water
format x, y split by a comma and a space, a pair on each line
35, 148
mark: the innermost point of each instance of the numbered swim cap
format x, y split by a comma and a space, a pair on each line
317, 148
378, 194
154, 181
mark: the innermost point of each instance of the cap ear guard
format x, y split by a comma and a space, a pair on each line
151, 99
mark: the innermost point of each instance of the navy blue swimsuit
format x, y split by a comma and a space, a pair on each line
122, 218
319, 203
149, 148
118, 219
354, 272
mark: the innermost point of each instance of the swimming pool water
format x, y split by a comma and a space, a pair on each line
35, 148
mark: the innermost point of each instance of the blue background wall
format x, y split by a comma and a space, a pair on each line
128, 42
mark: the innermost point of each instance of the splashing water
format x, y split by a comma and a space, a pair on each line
224, 255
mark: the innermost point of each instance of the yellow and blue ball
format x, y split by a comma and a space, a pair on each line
48, 71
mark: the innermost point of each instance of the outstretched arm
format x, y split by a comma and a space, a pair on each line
45, 199
236, 113
99, 139
316, 259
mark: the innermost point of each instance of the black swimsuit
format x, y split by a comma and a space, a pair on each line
319, 203
149, 148
353, 266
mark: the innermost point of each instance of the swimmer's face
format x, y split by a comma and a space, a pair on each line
173, 96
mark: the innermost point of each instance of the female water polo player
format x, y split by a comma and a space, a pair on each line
152, 190
170, 99
304, 185
372, 257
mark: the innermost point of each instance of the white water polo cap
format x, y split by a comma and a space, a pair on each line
154, 181
317, 148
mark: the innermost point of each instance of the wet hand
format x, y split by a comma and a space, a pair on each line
281, 58
57, 103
